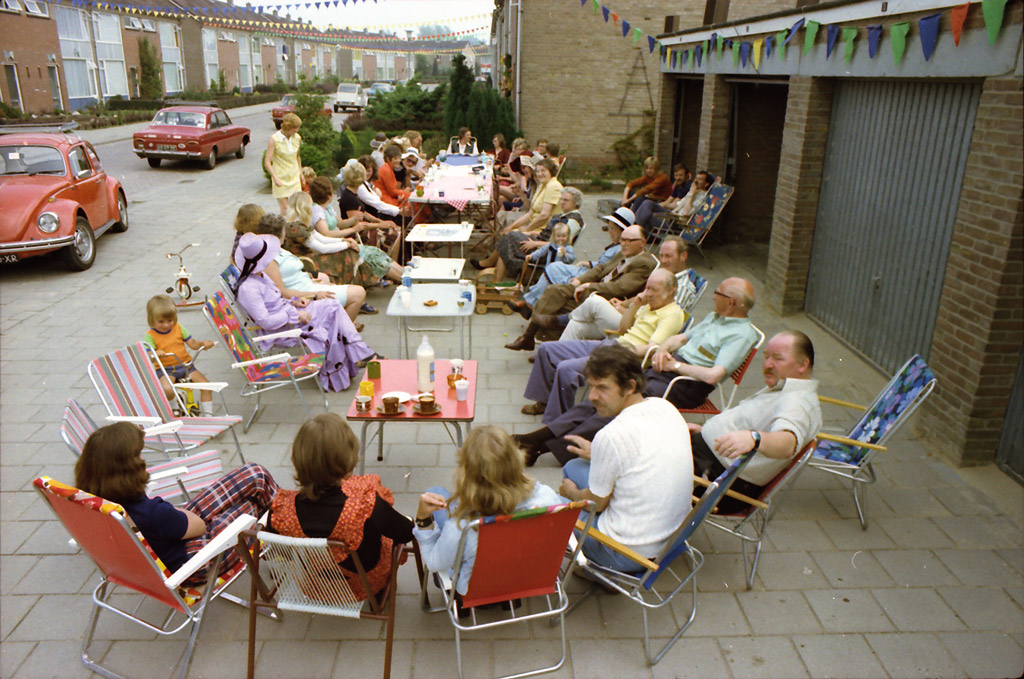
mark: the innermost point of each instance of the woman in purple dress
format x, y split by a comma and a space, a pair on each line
326, 328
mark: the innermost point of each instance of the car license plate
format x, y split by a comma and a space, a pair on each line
8, 259
166, 147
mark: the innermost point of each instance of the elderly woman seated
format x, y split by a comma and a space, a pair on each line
326, 329
513, 248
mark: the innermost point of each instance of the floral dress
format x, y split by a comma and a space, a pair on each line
345, 267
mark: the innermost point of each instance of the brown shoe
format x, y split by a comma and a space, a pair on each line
521, 343
532, 359
546, 321
533, 408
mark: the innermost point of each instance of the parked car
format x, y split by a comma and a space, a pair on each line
200, 131
287, 105
349, 95
54, 195
376, 88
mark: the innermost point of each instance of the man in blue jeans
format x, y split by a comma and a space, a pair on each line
639, 468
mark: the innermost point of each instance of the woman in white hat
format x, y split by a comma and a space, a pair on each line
325, 327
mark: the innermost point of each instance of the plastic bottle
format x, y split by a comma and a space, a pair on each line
407, 276
425, 367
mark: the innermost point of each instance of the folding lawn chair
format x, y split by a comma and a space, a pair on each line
700, 285
642, 588
175, 478
125, 561
751, 523
518, 556
851, 456
303, 576
130, 390
695, 229
262, 373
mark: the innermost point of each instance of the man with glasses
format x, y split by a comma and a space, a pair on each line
620, 278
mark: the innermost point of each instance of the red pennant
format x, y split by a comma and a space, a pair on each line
615, 18
957, 17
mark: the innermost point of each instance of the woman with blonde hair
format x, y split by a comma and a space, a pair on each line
337, 257
246, 220
282, 160
489, 480
653, 184
333, 503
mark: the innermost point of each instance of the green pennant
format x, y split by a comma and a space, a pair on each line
993, 11
596, 6
849, 36
810, 33
735, 53
898, 37
636, 34
706, 54
780, 44
720, 47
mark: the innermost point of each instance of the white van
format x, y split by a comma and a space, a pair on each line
349, 95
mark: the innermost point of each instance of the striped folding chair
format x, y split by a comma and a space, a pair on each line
128, 385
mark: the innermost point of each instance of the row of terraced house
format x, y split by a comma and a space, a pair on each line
68, 55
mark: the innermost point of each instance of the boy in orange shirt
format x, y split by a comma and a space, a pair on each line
168, 338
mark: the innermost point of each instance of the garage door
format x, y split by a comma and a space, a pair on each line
890, 187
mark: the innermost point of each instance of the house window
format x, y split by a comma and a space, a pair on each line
13, 89
132, 23
38, 9
147, 25
10, 5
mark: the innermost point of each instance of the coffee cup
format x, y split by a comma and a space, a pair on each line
390, 404
427, 403
419, 191
363, 403
416, 261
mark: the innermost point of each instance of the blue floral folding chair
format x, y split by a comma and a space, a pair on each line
851, 456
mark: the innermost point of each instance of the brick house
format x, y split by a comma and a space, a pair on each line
890, 195
32, 74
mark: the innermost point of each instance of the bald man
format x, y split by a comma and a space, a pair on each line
620, 278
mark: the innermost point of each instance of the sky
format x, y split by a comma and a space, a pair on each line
398, 15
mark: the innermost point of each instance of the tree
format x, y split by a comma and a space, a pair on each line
457, 103
150, 85
490, 113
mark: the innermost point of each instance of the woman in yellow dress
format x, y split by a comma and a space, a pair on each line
282, 160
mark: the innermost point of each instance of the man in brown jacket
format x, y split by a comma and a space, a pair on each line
620, 278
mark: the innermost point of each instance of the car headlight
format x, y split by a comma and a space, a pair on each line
48, 222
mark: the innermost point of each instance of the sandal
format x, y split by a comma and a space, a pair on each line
367, 309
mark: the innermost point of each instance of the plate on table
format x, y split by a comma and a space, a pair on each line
401, 410
402, 396
416, 409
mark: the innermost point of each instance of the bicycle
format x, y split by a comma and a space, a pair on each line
183, 282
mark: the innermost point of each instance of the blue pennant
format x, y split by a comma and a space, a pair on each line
928, 28
792, 31
874, 37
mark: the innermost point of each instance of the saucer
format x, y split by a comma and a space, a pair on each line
402, 396
416, 409
401, 410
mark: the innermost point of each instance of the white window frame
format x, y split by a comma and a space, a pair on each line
36, 9
132, 23
17, 83
224, 36
60, 92
148, 25
10, 6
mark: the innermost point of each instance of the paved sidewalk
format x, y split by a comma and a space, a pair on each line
932, 588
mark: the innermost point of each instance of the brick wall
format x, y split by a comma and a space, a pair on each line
979, 329
192, 55
32, 39
268, 64
227, 60
713, 147
743, 9
808, 111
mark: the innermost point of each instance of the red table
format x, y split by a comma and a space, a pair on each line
401, 376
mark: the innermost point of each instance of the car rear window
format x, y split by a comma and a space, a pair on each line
287, 100
31, 160
180, 118
349, 89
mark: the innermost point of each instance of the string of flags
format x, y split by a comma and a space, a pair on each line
326, 37
744, 52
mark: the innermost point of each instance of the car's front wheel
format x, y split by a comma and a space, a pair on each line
122, 214
81, 254
153, 162
211, 160
240, 153
277, 124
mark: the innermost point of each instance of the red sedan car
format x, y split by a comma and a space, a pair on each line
287, 105
190, 131
54, 195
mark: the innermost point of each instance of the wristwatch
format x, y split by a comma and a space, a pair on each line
425, 523
756, 435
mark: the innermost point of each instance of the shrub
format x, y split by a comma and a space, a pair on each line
488, 114
457, 102
318, 134
355, 121
135, 104
317, 159
150, 85
409, 105
631, 150
8, 111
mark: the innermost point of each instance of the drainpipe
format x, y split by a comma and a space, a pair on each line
519, 43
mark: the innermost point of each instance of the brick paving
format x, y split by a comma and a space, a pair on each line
932, 588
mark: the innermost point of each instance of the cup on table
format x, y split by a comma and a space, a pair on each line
405, 297
462, 390
419, 191
390, 404
363, 403
366, 388
373, 370
427, 403
416, 261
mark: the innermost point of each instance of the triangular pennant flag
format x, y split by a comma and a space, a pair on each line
595, 6
810, 32
957, 17
605, 11
831, 33
874, 37
780, 41
650, 44
744, 54
668, 57
718, 47
849, 37
707, 47
636, 35
768, 42
928, 29
698, 54
735, 54
898, 36
625, 28
757, 53
686, 56
714, 41
583, 3
793, 29
993, 11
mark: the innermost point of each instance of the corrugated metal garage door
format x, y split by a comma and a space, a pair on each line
890, 187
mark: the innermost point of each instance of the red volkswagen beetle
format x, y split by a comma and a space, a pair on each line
196, 131
54, 195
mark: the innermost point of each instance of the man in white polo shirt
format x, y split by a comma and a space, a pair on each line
638, 470
777, 421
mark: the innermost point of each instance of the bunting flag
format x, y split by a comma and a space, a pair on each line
625, 28
714, 40
686, 56
744, 54
720, 44
583, 3
992, 11
831, 34
928, 29
757, 53
767, 48
849, 37
898, 37
636, 35
957, 17
698, 53
605, 12
780, 41
615, 18
595, 5
793, 29
707, 47
735, 54
874, 37
650, 44
810, 32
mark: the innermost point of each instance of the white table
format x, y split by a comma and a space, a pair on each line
447, 296
442, 233
438, 269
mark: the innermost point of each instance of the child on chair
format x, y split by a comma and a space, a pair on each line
168, 338
558, 250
